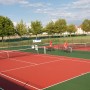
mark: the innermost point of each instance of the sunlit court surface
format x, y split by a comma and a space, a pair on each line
40, 71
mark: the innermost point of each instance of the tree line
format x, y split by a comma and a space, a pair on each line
60, 26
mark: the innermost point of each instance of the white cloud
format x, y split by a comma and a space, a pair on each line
8, 2
35, 5
44, 10
81, 2
24, 3
76, 10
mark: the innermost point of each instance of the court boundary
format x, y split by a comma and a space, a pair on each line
64, 56
66, 80
59, 59
20, 81
23, 61
85, 61
30, 66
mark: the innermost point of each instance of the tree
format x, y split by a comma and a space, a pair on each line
71, 29
36, 27
50, 28
86, 25
6, 27
21, 28
60, 26
29, 31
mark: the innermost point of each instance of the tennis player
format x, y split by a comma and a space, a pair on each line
50, 44
65, 45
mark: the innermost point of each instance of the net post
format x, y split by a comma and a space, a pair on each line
44, 50
36, 48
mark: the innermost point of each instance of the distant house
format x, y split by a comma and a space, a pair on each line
80, 31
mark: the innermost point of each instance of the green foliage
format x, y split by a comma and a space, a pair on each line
36, 27
60, 26
6, 27
86, 25
71, 29
21, 28
50, 28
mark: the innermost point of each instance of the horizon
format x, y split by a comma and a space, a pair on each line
73, 11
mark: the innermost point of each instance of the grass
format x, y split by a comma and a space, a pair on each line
79, 83
74, 39
78, 54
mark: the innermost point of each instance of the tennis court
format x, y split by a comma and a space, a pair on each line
75, 46
39, 71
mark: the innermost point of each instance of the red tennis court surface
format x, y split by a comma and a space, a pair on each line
60, 46
83, 49
37, 72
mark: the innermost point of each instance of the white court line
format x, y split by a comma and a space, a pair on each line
49, 62
64, 56
30, 66
67, 58
49, 55
23, 61
20, 81
59, 59
66, 80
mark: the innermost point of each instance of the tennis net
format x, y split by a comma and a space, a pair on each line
11, 52
88, 44
16, 53
78, 45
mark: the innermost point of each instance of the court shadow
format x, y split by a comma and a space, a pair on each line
9, 85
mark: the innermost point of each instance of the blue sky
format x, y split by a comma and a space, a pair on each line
74, 11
